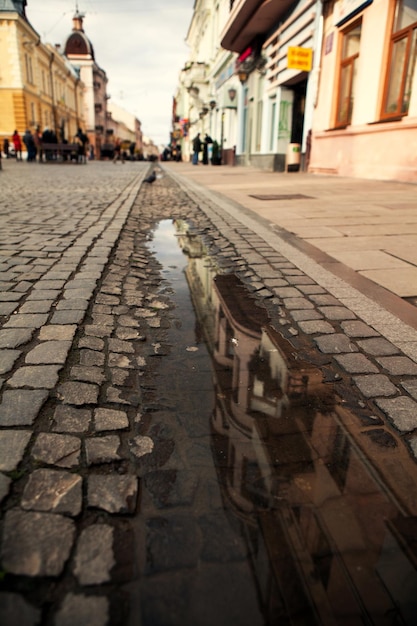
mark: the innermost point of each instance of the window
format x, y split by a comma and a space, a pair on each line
29, 72
347, 74
272, 125
402, 60
259, 113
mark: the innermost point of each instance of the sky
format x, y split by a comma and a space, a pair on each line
140, 44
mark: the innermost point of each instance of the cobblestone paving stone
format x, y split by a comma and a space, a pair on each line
76, 447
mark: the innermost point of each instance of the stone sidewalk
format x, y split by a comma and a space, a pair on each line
366, 226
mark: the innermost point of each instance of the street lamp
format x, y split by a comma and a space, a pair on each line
243, 76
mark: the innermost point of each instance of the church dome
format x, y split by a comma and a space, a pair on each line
78, 43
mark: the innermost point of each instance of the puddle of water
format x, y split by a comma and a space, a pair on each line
294, 512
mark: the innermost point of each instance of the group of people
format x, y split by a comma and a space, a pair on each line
172, 153
199, 146
35, 141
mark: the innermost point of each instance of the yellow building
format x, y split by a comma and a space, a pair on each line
38, 85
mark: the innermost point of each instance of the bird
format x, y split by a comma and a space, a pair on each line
151, 178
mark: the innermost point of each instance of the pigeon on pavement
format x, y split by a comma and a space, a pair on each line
151, 178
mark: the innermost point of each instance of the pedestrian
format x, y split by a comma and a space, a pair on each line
29, 142
197, 144
118, 154
48, 138
17, 143
132, 148
82, 140
207, 141
6, 146
37, 137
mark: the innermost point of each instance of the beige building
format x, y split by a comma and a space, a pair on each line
126, 128
38, 86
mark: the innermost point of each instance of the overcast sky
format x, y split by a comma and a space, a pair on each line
140, 44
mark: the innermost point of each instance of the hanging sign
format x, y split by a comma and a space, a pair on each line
299, 58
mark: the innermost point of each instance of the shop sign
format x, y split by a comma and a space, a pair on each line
299, 58
225, 75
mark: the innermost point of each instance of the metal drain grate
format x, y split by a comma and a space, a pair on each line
283, 196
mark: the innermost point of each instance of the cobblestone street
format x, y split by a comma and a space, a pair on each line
113, 509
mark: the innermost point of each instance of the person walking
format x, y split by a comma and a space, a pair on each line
207, 141
118, 152
37, 138
30, 145
6, 146
48, 138
82, 141
17, 143
197, 143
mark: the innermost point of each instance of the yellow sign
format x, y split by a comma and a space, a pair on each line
300, 58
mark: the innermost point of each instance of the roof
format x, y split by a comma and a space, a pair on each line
78, 43
12, 6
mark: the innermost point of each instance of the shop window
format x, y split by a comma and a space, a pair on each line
347, 74
402, 60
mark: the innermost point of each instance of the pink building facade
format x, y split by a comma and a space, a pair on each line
365, 118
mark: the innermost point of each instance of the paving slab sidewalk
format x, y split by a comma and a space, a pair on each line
366, 226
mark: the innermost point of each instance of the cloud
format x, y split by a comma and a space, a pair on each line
140, 44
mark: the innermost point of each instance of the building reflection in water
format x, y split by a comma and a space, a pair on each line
328, 507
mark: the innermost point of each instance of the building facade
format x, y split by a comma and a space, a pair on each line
126, 128
207, 94
277, 46
365, 121
39, 88
325, 86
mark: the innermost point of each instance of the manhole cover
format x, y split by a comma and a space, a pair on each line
282, 196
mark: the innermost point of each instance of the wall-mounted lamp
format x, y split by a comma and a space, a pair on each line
212, 104
243, 76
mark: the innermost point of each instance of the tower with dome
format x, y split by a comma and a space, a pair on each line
79, 51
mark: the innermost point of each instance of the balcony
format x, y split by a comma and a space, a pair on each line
250, 19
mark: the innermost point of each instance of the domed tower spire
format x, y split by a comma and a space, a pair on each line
77, 20
78, 45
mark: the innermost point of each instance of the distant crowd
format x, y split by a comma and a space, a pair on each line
45, 146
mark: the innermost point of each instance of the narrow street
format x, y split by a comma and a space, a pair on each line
199, 424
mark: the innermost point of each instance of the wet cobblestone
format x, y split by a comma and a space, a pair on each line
79, 373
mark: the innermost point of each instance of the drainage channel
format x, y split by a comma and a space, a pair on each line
269, 503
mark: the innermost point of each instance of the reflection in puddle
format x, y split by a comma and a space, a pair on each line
326, 508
